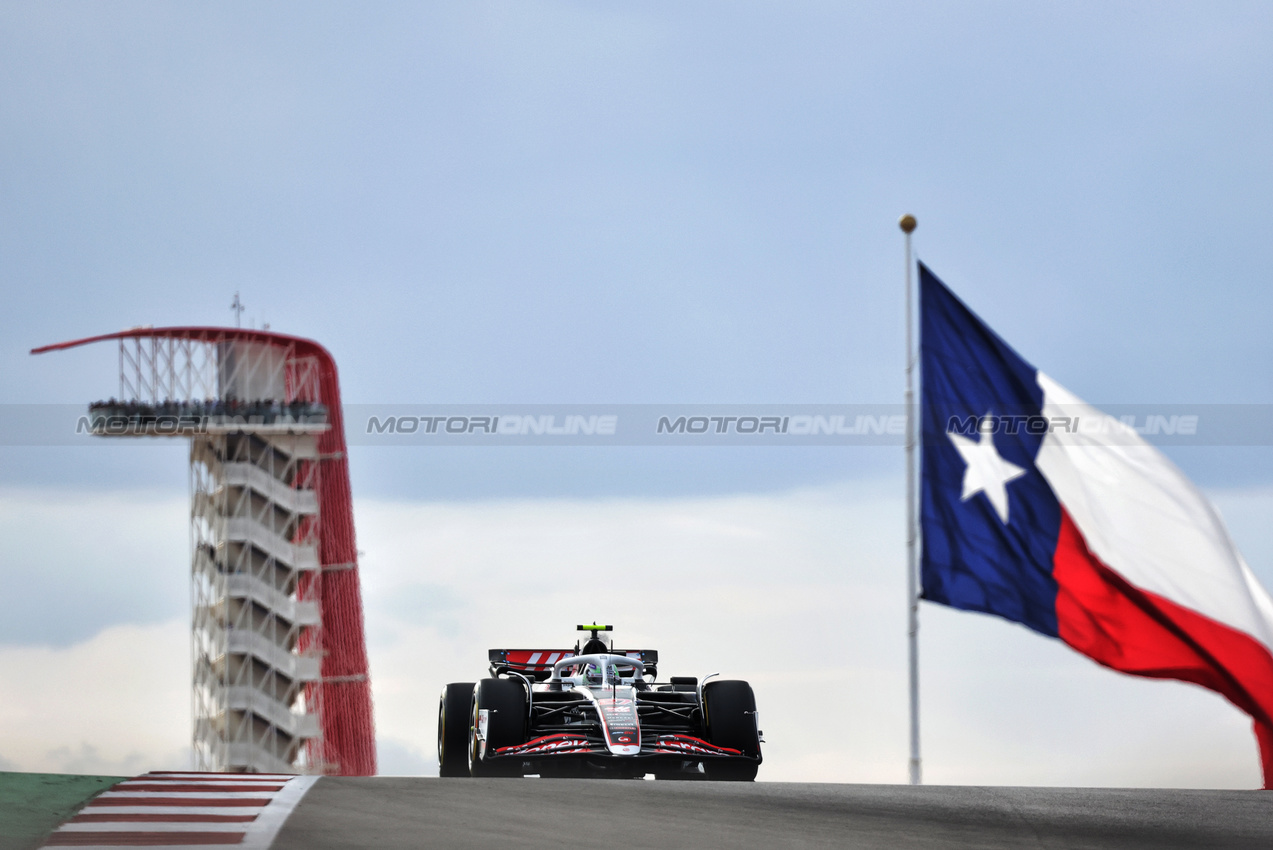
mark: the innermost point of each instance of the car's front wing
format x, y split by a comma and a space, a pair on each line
567, 743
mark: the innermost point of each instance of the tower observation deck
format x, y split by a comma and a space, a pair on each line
280, 680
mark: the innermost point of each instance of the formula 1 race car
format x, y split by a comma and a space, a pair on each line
596, 712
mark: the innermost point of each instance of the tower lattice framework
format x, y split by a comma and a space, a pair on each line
280, 675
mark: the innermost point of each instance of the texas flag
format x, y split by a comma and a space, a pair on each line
1043, 510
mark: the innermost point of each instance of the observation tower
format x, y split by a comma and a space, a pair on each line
279, 655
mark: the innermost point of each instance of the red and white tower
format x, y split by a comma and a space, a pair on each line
280, 660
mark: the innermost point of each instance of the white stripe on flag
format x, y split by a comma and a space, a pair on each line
1144, 519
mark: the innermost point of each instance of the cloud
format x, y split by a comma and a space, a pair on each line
116, 704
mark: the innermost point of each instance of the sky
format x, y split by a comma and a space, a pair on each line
615, 203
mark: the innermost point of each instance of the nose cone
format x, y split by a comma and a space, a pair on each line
623, 749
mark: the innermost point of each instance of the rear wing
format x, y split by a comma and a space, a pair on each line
538, 663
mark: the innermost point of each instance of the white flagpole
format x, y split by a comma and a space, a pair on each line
907, 223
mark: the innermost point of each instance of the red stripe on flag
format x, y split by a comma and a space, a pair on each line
1111, 621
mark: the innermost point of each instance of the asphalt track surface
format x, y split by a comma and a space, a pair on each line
518, 813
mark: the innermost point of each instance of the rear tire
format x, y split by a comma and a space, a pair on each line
453, 729
506, 726
730, 708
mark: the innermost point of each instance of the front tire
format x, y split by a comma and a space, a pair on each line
730, 708
505, 701
453, 728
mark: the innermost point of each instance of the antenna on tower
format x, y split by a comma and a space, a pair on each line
238, 309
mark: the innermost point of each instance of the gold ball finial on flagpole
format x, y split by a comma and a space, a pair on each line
907, 223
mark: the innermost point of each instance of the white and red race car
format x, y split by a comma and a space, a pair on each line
596, 711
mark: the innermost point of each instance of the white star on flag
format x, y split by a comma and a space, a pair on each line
986, 471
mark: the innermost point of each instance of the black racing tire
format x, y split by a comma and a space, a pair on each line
730, 713
506, 701
453, 729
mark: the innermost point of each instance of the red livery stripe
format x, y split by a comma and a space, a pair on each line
1118, 625
701, 742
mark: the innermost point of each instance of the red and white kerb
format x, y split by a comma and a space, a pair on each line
164, 809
